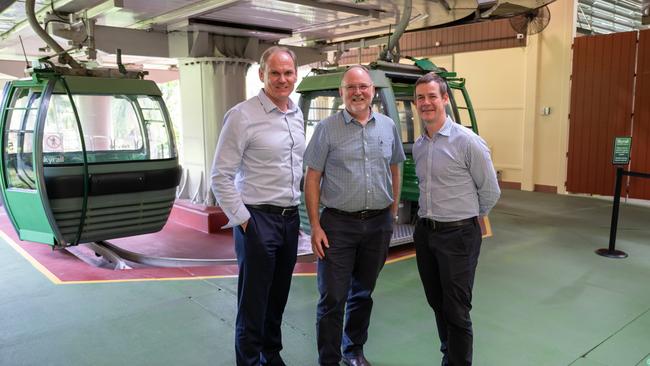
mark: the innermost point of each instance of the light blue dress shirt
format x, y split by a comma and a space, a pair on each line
258, 159
355, 160
455, 172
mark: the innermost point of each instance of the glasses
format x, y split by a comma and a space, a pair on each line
360, 87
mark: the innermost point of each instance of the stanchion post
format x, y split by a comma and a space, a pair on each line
611, 252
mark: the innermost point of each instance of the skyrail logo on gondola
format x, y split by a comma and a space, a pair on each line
53, 159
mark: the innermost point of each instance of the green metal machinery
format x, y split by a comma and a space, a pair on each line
85, 158
394, 87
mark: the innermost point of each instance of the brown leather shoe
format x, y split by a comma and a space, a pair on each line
356, 360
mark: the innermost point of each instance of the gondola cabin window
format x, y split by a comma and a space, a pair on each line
115, 128
18, 158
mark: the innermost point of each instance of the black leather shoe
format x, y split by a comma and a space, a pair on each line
274, 361
357, 360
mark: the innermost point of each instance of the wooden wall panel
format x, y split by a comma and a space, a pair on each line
601, 108
640, 156
462, 38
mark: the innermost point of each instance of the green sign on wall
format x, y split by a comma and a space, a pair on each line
622, 146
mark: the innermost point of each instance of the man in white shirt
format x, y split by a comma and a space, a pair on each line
256, 180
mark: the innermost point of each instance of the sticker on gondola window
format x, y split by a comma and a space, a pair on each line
53, 142
53, 159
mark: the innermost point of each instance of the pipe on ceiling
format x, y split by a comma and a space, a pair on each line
64, 57
393, 40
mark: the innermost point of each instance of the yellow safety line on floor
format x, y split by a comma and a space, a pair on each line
55, 280
41, 268
148, 279
402, 258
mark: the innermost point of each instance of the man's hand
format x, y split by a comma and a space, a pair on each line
318, 241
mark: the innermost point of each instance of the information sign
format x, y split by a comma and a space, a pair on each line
622, 146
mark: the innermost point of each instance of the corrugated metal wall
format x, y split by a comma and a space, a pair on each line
445, 41
602, 88
640, 157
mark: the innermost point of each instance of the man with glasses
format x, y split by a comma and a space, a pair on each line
352, 161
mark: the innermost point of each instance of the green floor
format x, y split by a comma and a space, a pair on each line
542, 297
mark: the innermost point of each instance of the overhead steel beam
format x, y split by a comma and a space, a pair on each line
104, 8
190, 11
109, 39
226, 28
371, 13
344, 46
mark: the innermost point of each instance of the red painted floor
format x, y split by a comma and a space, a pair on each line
174, 240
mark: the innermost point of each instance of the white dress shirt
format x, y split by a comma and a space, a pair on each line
455, 173
258, 159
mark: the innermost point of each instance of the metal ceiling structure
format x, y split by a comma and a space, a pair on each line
159, 30
609, 16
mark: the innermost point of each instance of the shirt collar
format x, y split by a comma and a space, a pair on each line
268, 104
347, 117
445, 130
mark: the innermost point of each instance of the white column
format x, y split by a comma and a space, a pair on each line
210, 86
530, 114
96, 119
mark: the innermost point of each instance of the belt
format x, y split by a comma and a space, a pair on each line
276, 210
364, 214
439, 225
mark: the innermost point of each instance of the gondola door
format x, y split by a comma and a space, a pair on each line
24, 103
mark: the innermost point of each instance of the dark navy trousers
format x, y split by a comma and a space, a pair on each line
346, 279
447, 260
266, 254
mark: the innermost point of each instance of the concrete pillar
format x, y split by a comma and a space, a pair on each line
95, 116
568, 12
210, 86
530, 114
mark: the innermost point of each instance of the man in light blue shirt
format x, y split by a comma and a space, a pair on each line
256, 180
352, 161
457, 184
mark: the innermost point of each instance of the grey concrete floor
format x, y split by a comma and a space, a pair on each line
542, 297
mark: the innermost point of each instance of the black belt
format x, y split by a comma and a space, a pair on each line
364, 214
439, 225
277, 210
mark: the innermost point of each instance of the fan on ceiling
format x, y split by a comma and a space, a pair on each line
531, 22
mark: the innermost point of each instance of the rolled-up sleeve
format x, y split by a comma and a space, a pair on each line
227, 160
317, 149
398, 149
483, 174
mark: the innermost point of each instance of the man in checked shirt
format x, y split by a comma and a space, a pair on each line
355, 153
457, 184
